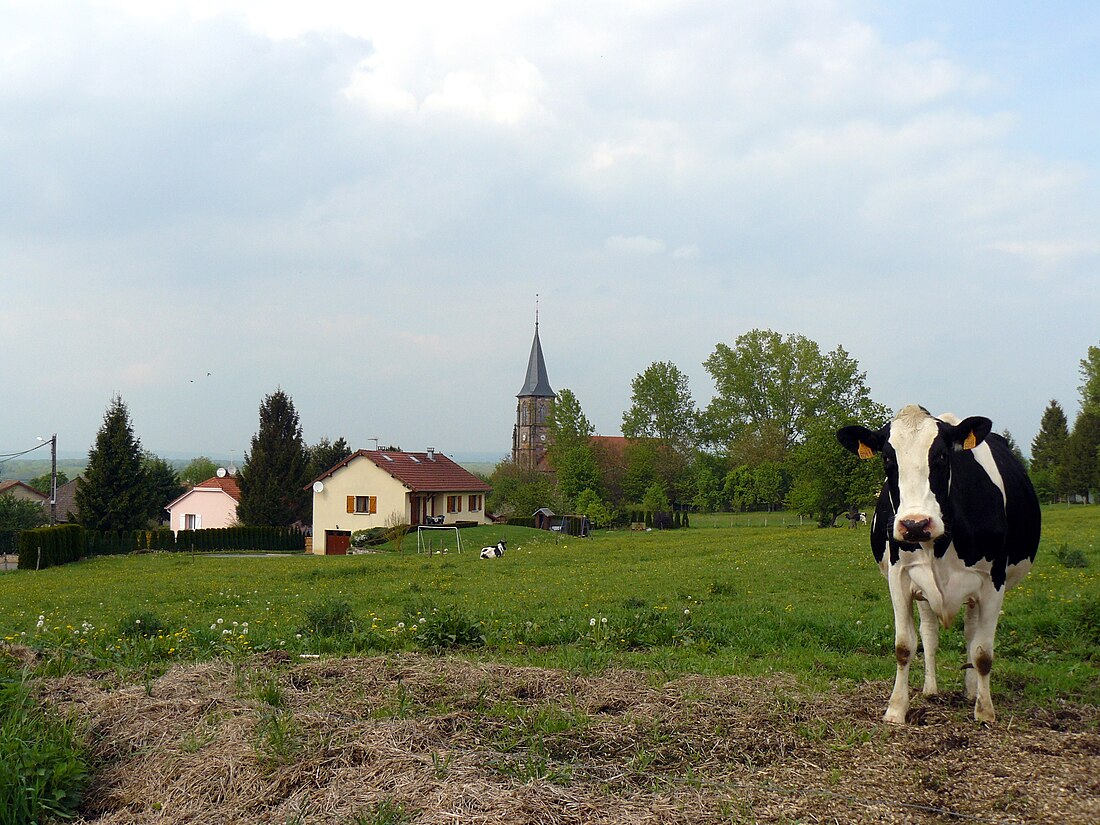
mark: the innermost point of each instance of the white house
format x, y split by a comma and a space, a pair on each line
371, 487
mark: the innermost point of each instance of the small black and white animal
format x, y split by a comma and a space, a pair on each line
494, 552
957, 524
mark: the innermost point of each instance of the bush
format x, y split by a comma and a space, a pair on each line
448, 627
140, 624
43, 768
329, 617
1070, 557
371, 537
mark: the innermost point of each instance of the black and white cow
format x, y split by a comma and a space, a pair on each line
494, 552
957, 523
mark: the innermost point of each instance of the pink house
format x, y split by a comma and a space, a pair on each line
211, 503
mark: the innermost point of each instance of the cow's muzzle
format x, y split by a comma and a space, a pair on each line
915, 529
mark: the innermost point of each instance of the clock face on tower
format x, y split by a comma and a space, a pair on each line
542, 437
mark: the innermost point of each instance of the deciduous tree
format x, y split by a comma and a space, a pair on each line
198, 470
275, 469
20, 514
661, 407
44, 482
827, 479
775, 388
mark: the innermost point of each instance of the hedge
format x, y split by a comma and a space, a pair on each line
71, 542
50, 546
240, 538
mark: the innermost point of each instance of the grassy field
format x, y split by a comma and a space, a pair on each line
729, 596
733, 672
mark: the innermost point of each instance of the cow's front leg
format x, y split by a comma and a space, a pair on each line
981, 628
930, 642
905, 644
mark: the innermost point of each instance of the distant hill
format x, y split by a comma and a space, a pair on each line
22, 470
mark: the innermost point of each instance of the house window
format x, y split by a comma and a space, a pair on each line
475, 504
362, 504
454, 504
191, 521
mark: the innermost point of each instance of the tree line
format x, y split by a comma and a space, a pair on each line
766, 440
127, 488
1066, 462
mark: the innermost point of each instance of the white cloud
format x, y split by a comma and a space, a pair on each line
274, 183
634, 245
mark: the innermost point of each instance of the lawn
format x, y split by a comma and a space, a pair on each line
727, 597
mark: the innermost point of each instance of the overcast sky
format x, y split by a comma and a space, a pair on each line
358, 202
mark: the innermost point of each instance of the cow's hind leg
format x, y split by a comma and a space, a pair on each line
981, 628
905, 644
930, 642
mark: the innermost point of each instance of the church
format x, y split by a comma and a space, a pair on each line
531, 433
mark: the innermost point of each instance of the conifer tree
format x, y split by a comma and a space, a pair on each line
1049, 444
114, 493
276, 468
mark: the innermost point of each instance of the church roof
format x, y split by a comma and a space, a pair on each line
536, 384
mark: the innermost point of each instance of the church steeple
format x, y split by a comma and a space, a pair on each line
530, 436
536, 383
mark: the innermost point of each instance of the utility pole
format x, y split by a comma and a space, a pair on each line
53, 479
53, 476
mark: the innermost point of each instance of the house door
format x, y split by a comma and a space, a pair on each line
337, 542
415, 510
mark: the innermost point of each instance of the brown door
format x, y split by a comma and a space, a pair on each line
337, 542
415, 510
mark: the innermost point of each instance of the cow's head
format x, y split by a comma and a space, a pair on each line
916, 450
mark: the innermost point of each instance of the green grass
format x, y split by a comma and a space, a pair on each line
720, 598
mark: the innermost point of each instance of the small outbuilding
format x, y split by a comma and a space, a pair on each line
544, 518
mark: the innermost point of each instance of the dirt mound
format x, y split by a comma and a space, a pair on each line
427, 740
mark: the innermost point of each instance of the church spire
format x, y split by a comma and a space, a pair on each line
536, 384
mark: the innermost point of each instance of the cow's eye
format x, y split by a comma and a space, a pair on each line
939, 458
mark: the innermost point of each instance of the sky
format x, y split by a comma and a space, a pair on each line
358, 203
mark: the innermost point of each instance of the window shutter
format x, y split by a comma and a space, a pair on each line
351, 504
374, 504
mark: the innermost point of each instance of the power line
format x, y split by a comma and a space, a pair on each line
9, 456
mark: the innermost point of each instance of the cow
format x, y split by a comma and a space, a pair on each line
494, 552
957, 523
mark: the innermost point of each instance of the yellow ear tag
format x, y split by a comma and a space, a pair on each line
865, 451
971, 442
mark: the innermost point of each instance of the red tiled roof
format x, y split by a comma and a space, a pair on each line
228, 485
418, 472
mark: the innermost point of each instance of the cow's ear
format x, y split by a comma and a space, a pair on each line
861, 441
968, 434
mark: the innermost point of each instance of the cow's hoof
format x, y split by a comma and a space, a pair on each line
984, 713
894, 717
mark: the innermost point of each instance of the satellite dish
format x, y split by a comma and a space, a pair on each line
221, 472
232, 469
318, 486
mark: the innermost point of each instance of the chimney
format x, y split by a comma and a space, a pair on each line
431, 454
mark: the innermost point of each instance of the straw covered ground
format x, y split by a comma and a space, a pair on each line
420, 739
